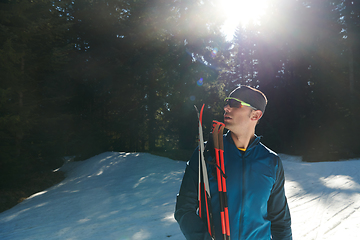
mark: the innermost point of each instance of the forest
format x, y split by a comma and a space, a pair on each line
78, 78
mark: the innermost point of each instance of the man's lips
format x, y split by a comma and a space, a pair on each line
226, 117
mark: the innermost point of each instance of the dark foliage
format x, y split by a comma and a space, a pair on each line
83, 77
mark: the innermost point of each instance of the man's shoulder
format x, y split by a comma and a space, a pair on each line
269, 157
268, 150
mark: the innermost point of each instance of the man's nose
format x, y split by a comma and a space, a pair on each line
226, 108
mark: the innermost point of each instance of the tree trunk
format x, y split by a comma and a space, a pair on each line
20, 132
351, 70
151, 115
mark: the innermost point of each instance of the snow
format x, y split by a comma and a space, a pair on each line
132, 196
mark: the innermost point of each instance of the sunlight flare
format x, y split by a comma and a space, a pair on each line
242, 13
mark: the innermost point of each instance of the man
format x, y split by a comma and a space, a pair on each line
257, 204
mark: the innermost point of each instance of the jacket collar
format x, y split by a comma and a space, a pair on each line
253, 144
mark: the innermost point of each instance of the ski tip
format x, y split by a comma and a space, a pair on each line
196, 108
201, 113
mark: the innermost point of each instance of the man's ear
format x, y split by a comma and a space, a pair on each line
256, 115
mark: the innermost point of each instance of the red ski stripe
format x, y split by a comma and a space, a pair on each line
207, 212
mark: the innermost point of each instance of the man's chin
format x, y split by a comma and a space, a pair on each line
228, 124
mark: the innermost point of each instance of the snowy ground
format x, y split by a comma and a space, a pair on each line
132, 196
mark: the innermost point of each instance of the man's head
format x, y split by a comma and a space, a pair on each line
251, 96
244, 107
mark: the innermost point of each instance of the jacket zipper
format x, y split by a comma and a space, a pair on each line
242, 196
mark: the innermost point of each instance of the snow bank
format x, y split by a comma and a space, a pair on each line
109, 196
324, 199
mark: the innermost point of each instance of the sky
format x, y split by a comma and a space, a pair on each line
131, 196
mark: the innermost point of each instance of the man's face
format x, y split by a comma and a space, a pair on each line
237, 117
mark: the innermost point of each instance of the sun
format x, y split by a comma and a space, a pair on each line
241, 12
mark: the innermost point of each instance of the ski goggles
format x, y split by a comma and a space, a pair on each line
236, 103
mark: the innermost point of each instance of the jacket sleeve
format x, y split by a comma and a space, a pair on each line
186, 215
278, 210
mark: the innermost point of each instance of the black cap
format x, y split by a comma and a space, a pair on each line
250, 95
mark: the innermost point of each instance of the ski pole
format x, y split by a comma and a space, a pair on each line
217, 132
221, 151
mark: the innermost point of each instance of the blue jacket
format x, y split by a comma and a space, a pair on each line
257, 204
